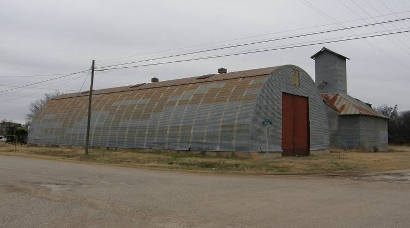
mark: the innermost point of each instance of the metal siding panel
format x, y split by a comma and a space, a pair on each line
373, 133
269, 106
331, 69
349, 132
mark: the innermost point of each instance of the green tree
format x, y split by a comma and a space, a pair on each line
15, 132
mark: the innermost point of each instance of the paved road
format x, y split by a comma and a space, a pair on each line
40, 193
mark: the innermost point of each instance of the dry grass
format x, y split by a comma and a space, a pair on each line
322, 162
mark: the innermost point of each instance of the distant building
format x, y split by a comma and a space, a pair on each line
5, 127
3, 138
275, 109
353, 124
8, 130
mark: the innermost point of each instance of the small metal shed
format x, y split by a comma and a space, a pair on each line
353, 124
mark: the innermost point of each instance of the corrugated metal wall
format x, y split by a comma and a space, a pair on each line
347, 136
214, 115
358, 132
331, 68
373, 133
269, 106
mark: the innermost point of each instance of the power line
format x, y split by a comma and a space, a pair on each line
106, 68
142, 55
393, 25
43, 81
397, 41
260, 42
38, 88
29, 76
260, 50
381, 49
13, 86
317, 9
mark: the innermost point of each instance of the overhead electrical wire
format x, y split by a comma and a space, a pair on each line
28, 76
121, 66
324, 14
386, 53
42, 81
218, 56
396, 13
392, 12
260, 42
397, 26
397, 42
259, 50
317, 9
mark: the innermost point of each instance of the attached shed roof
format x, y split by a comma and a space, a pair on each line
324, 49
347, 105
178, 82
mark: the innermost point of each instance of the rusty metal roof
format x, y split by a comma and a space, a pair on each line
347, 105
178, 82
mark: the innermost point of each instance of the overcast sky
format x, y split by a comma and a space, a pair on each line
41, 38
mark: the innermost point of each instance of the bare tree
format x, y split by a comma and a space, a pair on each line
399, 124
37, 105
388, 111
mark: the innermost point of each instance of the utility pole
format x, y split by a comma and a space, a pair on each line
90, 96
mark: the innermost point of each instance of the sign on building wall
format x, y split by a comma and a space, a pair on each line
267, 122
295, 78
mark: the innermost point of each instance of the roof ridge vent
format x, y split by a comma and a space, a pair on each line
137, 85
205, 76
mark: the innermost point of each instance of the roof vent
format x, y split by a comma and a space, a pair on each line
137, 85
154, 79
205, 76
222, 70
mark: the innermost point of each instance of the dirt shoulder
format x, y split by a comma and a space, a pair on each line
320, 162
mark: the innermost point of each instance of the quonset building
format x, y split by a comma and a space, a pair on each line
275, 109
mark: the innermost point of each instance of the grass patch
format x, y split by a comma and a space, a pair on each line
322, 162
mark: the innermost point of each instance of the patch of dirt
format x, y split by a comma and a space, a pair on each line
396, 176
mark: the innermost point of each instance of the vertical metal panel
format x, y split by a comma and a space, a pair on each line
331, 68
348, 135
373, 133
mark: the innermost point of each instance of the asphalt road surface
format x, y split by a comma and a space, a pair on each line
41, 193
